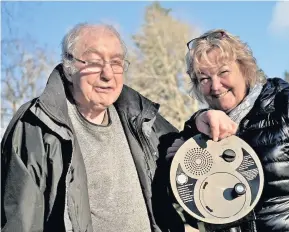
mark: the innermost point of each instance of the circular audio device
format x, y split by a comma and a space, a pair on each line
216, 182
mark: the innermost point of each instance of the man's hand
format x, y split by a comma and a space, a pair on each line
216, 124
174, 148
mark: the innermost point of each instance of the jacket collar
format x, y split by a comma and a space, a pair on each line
266, 101
133, 104
53, 99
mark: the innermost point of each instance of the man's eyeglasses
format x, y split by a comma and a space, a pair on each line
214, 35
118, 66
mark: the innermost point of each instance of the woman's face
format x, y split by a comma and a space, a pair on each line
223, 85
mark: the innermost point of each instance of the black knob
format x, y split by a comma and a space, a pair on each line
229, 155
240, 189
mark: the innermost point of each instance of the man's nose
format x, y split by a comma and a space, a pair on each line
107, 72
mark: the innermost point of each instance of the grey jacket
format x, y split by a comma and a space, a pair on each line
42, 167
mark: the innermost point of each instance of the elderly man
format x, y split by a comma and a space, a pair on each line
89, 153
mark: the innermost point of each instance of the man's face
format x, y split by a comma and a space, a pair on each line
93, 89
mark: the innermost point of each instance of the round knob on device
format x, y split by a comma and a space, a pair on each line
240, 189
229, 155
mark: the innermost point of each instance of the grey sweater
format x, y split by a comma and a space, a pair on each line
115, 195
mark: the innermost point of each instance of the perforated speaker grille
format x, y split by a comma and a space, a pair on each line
198, 161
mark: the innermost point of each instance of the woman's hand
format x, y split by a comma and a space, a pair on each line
216, 124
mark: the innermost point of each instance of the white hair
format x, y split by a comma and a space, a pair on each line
70, 40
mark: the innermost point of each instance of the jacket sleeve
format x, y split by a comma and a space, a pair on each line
272, 144
22, 178
190, 128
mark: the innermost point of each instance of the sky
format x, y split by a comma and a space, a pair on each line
263, 25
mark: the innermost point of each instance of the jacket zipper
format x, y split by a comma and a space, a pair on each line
146, 147
139, 137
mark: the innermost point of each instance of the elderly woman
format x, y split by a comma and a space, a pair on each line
242, 101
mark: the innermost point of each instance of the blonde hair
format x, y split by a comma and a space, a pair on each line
231, 49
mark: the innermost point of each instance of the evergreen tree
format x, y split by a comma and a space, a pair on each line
158, 69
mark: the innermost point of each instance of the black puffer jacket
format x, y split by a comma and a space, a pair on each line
266, 130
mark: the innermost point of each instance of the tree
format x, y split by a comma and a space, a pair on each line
24, 66
158, 67
286, 76
25, 69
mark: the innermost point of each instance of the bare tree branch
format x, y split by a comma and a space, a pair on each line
24, 72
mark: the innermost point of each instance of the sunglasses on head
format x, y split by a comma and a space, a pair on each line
214, 35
